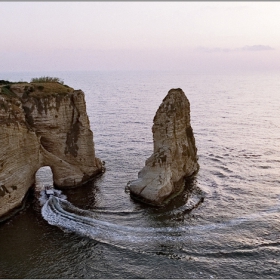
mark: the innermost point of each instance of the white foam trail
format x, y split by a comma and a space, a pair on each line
54, 211
60, 212
43, 198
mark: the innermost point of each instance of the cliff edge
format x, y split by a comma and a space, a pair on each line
43, 124
175, 153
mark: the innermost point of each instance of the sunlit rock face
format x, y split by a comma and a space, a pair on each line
43, 125
175, 153
61, 123
19, 154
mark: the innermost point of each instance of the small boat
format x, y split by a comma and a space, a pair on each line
49, 190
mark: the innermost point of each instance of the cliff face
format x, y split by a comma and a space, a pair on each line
43, 125
175, 153
19, 154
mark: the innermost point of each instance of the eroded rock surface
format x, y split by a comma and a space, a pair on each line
43, 125
175, 153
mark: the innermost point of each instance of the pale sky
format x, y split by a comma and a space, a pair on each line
191, 36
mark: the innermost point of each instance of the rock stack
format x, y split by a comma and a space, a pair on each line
175, 153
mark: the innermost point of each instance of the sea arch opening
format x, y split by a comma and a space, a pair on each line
44, 176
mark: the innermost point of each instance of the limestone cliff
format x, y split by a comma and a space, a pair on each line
43, 124
175, 153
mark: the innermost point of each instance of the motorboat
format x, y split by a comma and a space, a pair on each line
49, 190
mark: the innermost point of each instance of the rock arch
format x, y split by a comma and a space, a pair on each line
44, 175
43, 129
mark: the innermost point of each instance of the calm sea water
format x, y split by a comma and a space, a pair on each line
98, 231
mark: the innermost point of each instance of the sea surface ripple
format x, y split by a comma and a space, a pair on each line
98, 231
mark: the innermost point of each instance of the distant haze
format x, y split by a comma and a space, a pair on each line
183, 36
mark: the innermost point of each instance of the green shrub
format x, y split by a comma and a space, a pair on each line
6, 91
3, 82
47, 80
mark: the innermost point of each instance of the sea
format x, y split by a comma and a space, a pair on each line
99, 231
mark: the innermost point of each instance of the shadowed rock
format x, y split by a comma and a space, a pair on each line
175, 153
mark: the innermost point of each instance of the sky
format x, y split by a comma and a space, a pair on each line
110, 36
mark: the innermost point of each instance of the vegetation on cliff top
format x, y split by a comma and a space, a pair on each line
4, 82
6, 90
47, 80
38, 87
45, 86
42, 89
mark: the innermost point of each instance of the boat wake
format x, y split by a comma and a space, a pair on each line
62, 213
59, 212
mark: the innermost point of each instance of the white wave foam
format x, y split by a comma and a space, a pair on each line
60, 212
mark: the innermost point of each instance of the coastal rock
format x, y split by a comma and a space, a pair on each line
43, 124
175, 153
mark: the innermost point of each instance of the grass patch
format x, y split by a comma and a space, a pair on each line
6, 91
45, 89
38, 88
